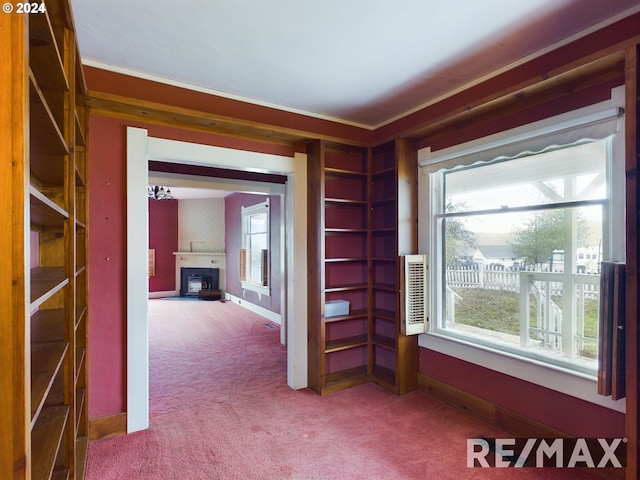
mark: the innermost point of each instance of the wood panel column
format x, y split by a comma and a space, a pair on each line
14, 377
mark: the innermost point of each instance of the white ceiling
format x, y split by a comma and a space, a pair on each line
363, 62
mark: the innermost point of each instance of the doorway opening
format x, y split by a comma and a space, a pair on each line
140, 149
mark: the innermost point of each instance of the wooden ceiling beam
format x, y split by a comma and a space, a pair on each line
168, 115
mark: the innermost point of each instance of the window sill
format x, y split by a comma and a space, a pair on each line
550, 376
259, 289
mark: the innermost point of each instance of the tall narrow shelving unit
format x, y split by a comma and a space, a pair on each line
394, 219
384, 265
47, 335
363, 216
339, 265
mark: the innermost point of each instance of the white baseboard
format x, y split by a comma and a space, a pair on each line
169, 293
268, 314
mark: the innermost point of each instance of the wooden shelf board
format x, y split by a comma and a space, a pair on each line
61, 475
386, 287
80, 313
354, 314
339, 172
80, 225
345, 260
385, 172
345, 230
385, 342
383, 202
46, 360
380, 230
46, 438
47, 325
45, 212
80, 180
338, 202
44, 55
80, 353
80, 140
46, 137
346, 288
384, 314
384, 259
80, 398
80, 269
345, 343
81, 82
345, 378
45, 282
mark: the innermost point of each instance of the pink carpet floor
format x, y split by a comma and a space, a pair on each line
221, 409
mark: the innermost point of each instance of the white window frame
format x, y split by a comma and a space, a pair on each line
246, 214
563, 129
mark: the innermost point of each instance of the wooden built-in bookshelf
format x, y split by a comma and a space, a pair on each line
353, 256
44, 426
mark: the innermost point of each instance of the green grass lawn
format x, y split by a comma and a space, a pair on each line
499, 311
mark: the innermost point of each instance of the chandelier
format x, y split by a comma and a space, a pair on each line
158, 192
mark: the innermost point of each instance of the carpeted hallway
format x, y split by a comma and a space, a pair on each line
221, 409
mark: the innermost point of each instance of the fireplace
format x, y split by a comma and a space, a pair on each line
195, 280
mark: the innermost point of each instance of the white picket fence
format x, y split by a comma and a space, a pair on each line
483, 278
541, 287
509, 280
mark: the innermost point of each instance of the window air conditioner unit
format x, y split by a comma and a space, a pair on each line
413, 302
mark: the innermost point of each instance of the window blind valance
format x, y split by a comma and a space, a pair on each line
594, 122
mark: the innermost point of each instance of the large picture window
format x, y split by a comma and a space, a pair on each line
516, 241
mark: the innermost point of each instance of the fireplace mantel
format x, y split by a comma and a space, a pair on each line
186, 259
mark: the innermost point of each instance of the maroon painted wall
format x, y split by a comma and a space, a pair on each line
107, 267
163, 237
233, 242
562, 412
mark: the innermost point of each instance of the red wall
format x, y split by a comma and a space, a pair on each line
107, 267
163, 237
564, 413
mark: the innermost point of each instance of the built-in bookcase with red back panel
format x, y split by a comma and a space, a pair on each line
356, 200
394, 217
384, 264
43, 418
339, 250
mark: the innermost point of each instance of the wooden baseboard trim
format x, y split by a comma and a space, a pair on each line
511, 422
507, 420
107, 427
